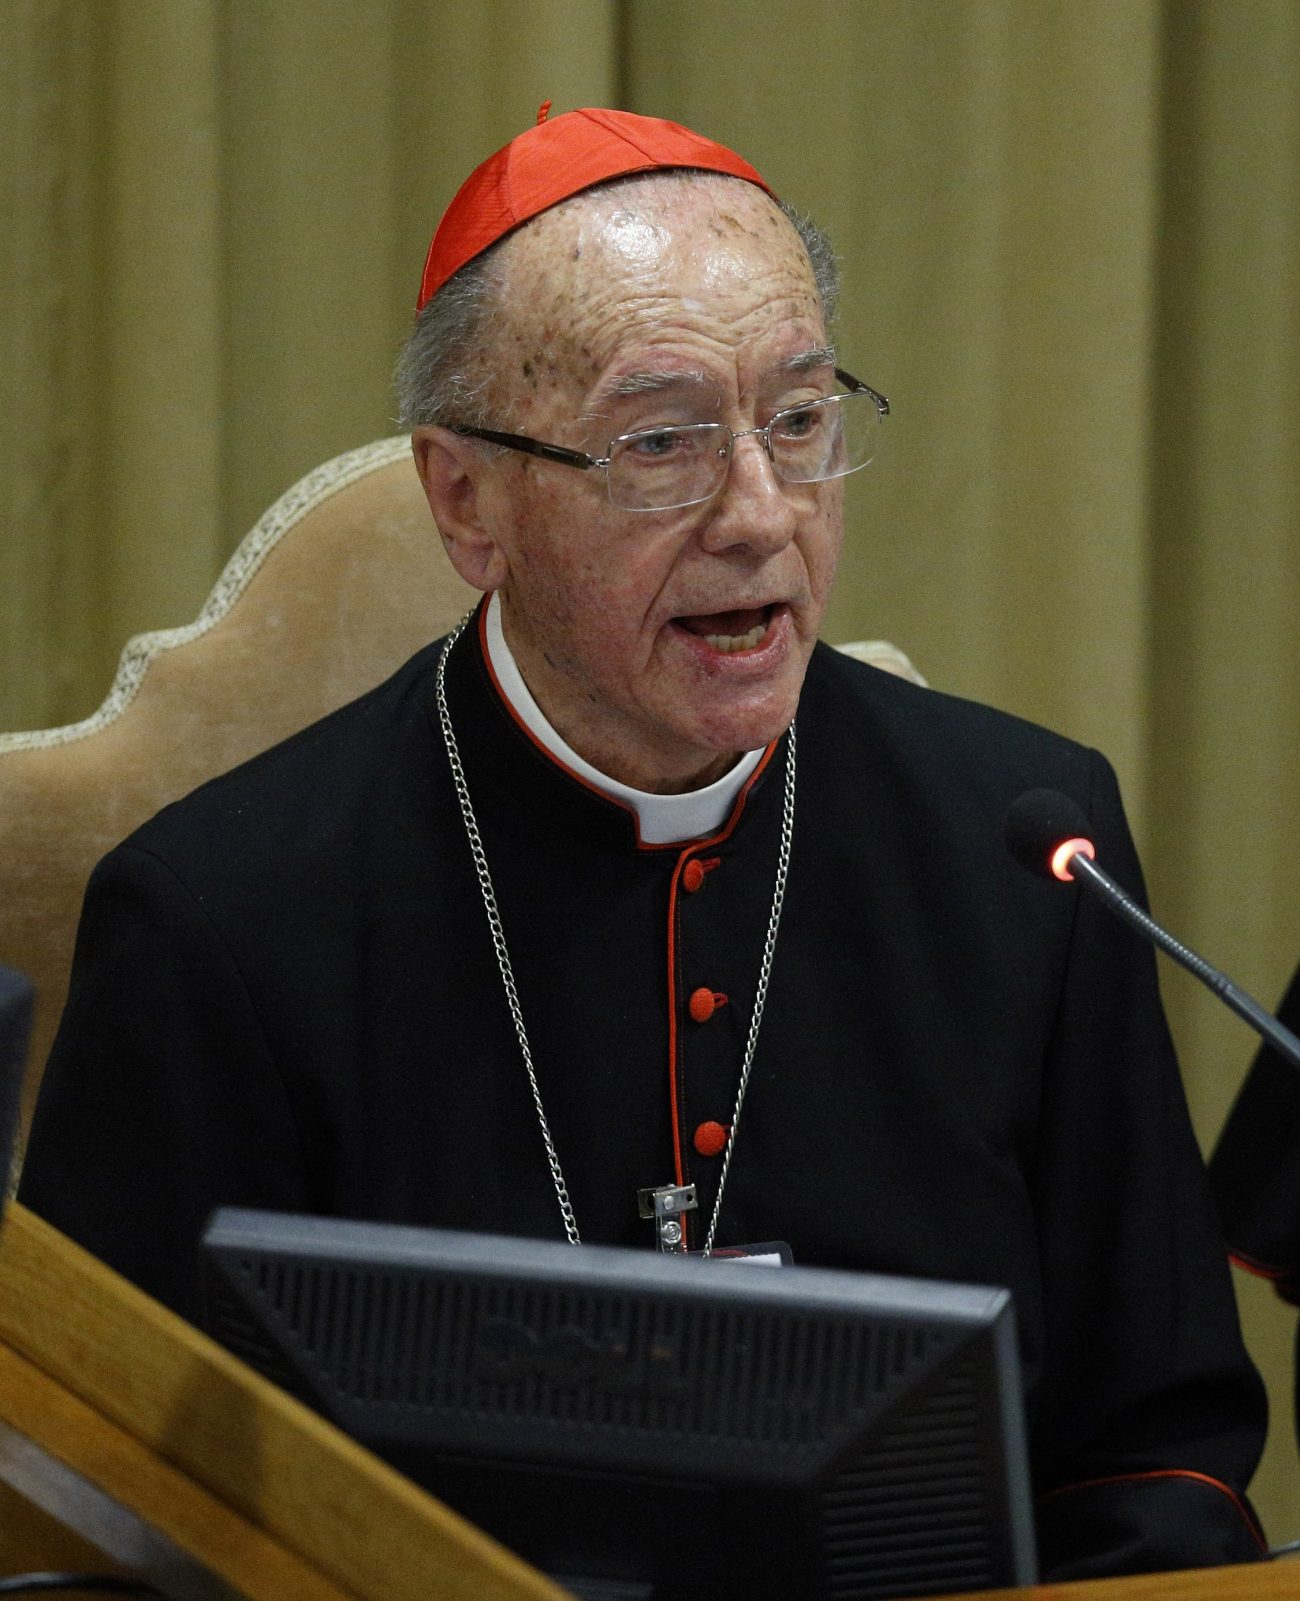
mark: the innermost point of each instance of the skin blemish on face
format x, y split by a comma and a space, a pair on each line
636, 238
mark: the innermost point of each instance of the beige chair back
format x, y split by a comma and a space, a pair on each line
340, 581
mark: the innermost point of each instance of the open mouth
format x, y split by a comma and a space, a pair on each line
730, 631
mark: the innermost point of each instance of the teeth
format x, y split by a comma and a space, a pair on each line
729, 642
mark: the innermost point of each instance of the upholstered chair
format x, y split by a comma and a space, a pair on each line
340, 581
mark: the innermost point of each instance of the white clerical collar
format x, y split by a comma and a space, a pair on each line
661, 819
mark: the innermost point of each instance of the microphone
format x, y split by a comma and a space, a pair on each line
1048, 833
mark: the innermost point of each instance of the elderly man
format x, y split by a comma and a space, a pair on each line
576, 908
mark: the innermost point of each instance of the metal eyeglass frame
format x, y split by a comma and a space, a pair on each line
579, 458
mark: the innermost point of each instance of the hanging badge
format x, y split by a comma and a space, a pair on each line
771, 1253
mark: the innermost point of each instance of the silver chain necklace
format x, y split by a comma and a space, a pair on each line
507, 972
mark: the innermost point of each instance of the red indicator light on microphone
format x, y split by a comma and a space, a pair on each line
1065, 853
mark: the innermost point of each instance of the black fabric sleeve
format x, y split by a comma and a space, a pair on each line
1158, 1417
1255, 1169
160, 1100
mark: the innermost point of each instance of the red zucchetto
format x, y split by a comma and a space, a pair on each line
554, 160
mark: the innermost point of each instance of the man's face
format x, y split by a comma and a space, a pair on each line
663, 302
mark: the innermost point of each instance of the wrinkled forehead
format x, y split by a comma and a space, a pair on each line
709, 256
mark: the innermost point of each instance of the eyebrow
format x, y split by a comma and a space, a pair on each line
810, 360
650, 383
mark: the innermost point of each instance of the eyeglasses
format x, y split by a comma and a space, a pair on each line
662, 469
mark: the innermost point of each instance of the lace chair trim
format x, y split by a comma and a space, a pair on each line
308, 493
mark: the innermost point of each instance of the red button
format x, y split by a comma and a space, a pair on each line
692, 876
710, 1139
704, 1002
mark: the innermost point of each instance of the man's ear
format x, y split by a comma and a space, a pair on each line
454, 475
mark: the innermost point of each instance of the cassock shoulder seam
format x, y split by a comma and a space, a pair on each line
833, 674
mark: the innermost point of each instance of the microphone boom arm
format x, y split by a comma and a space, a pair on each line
1283, 1041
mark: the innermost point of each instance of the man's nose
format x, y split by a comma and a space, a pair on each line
754, 507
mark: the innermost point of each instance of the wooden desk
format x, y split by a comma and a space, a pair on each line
165, 1452
1259, 1581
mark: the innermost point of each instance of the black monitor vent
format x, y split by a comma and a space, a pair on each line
910, 1516
583, 1359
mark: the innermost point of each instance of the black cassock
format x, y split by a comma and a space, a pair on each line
285, 996
1255, 1170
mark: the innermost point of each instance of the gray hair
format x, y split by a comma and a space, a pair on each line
442, 377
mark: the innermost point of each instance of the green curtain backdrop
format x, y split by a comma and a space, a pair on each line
1071, 244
